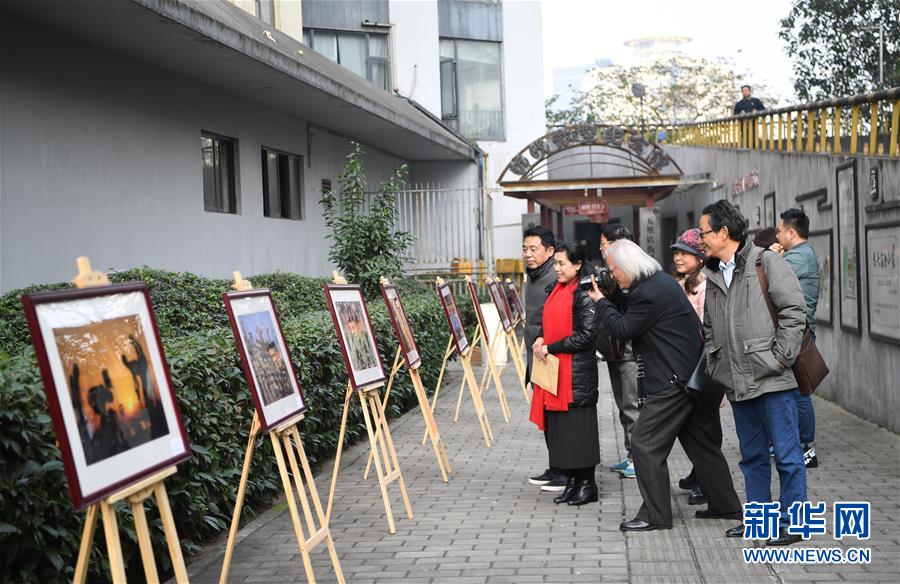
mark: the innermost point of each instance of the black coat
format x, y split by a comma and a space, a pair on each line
746, 106
581, 344
659, 316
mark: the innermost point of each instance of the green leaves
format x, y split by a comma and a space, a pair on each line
365, 244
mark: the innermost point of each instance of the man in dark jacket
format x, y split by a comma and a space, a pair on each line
663, 328
747, 104
538, 247
752, 357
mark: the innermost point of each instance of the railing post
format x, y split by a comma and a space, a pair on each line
873, 128
823, 133
895, 123
854, 128
811, 131
838, 145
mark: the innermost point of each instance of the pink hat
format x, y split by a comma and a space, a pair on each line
689, 242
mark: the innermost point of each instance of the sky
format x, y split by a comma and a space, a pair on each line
577, 32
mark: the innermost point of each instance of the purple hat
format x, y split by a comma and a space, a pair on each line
689, 242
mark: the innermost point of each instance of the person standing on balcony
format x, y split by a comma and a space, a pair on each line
748, 104
538, 247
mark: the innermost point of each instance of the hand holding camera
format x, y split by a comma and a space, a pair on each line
598, 283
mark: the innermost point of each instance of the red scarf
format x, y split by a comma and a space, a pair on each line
557, 323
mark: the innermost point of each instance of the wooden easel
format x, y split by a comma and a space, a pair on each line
520, 320
281, 437
468, 378
388, 471
430, 425
135, 495
512, 345
491, 369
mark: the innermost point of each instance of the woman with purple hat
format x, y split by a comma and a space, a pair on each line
689, 260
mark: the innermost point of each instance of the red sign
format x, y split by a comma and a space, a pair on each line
570, 210
597, 210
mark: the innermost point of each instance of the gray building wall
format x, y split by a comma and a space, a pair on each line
863, 370
343, 15
100, 156
470, 19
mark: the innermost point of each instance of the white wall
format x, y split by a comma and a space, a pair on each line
523, 87
417, 48
101, 157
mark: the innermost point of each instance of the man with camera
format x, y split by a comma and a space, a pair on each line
667, 341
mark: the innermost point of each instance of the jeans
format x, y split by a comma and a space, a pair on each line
807, 415
771, 418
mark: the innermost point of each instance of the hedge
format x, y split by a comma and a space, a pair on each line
40, 532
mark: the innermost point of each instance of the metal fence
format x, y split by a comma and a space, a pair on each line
446, 223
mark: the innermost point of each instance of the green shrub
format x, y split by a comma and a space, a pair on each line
39, 531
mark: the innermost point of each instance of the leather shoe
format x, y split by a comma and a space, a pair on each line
736, 531
689, 482
707, 514
585, 492
640, 525
784, 538
571, 487
697, 497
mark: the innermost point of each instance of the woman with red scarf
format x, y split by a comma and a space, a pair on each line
569, 418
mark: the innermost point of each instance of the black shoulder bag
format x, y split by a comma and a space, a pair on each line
700, 387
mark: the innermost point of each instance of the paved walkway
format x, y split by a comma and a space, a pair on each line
489, 525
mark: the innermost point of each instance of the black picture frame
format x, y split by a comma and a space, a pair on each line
871, 273
813, 236
847, 201
770, 211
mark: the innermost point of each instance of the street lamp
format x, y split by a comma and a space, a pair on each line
638, 90
880, 29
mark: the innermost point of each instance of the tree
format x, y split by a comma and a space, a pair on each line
680, 88
835, 48
364, 242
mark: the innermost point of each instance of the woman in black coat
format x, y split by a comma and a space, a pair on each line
569, 418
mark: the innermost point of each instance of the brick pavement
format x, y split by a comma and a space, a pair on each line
489, 525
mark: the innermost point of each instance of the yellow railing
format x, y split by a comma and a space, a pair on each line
859, 125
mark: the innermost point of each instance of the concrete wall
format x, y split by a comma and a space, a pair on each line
417, 52
863, 370
523, 90
100, 156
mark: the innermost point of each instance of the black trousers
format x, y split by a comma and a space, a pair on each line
667, 415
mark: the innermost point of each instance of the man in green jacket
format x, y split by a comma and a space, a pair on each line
793, 235
752, 357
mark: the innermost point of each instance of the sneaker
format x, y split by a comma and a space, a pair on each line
809, 456
628, 471
543, 478
558, 483
621, 465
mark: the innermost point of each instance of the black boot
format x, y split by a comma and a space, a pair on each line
697, 497
689, 482
567, 493
585, 492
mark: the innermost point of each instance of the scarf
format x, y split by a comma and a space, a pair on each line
557, 323
537, 273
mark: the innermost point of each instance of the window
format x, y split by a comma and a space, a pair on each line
472, 88
218, 154
366, 54
282, 175
265, 11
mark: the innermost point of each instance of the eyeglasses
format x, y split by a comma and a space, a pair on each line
705, 233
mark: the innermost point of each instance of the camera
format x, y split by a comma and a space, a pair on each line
604, 279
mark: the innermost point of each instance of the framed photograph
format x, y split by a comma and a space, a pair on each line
108, 387
822, 242
355, 335
401, 325
473, 295
515, 302
264, 357
883, 278
499, 299
769, 215
848, 248
453, 318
